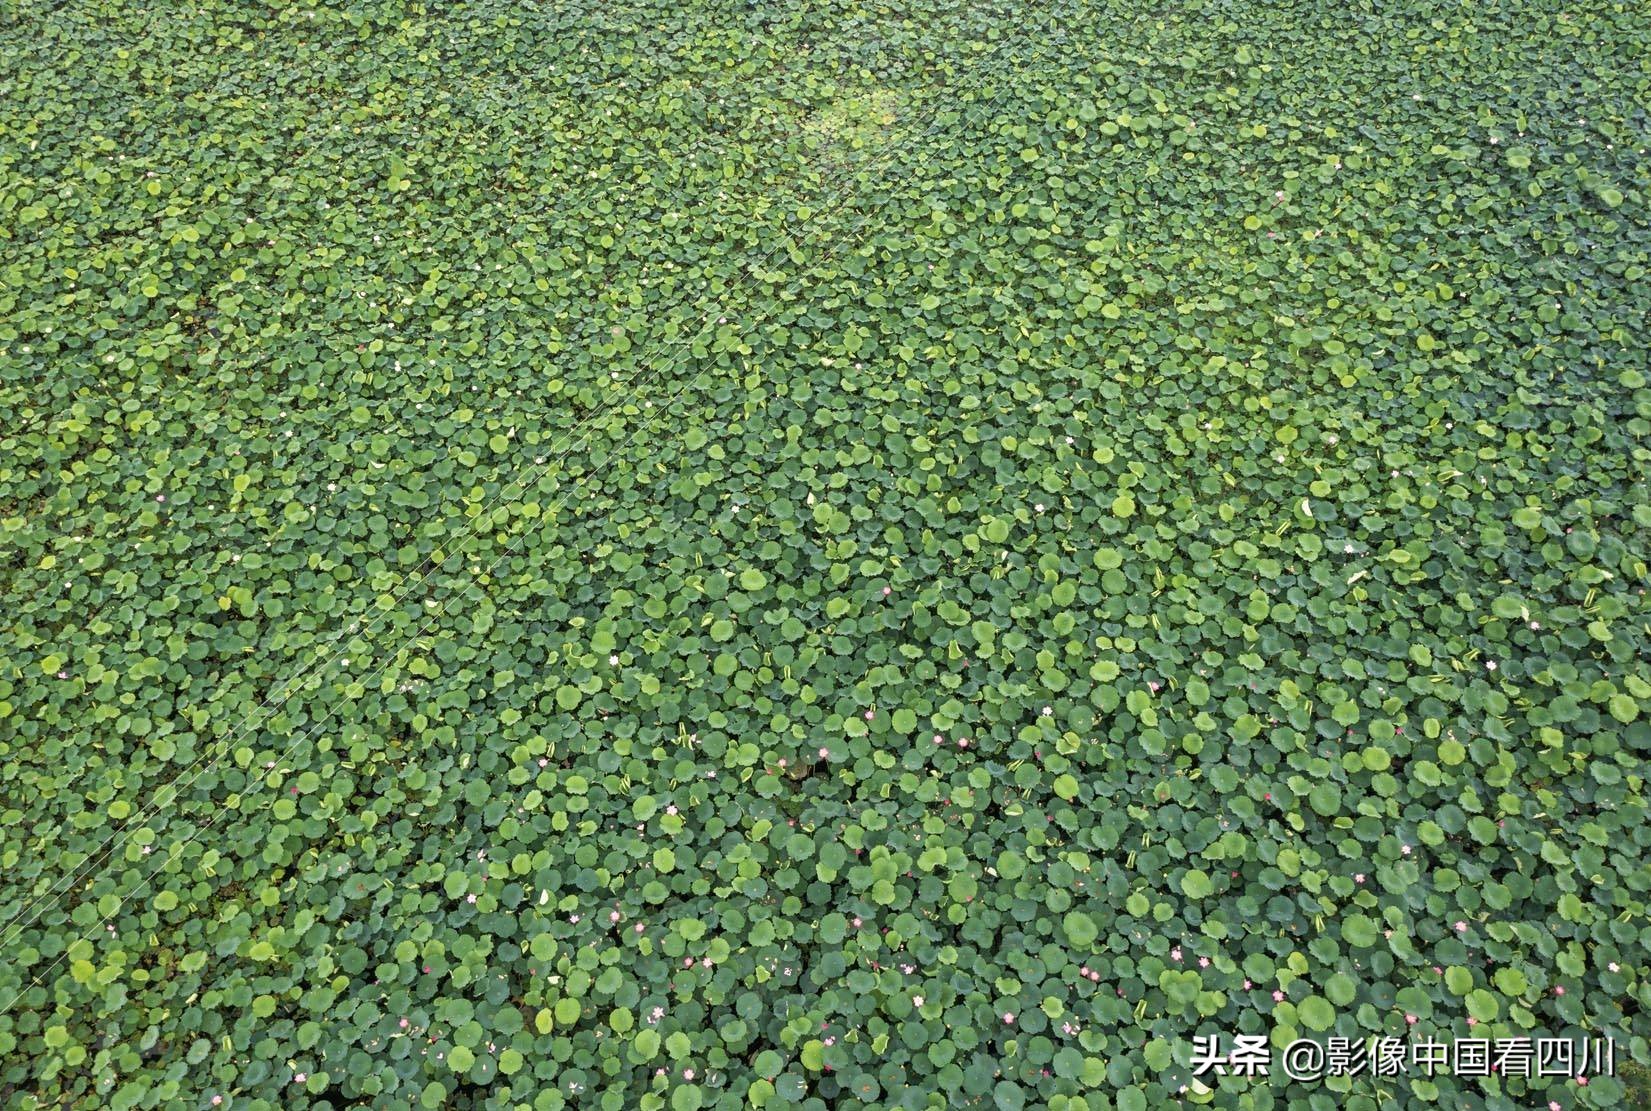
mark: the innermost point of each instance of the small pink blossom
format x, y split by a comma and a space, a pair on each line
1461, 926
1358, 877
1614, 967
917, 1001
870, 714
1410, 1020
1405, 849
216, 1100
1278, 996
1175, 953
1560, 990
574, 918
402, 1024
470, 898
857, 922
687, 1074
824, 752
637, 927
300, 1078
887, 591
671, 809
613, 916
1008, 1018
1203, 962
1248, 985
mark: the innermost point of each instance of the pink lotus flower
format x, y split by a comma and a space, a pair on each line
637, 927
1410, 1020
1461, 926
1203, 962
1559, 990
887, 591
870, 714
1278, 996
1008, 1018
1358, 877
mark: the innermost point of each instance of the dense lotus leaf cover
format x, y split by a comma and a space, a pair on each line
820, 554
